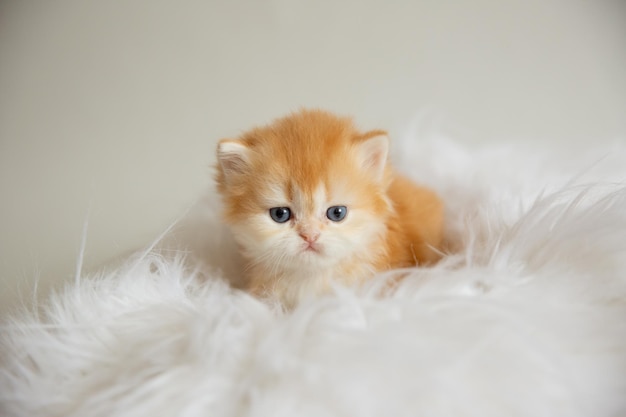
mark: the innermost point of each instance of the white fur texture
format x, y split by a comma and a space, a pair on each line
526, 318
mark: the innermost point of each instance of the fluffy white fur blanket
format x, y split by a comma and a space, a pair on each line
526, 318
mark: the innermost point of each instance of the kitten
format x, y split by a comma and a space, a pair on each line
311, 200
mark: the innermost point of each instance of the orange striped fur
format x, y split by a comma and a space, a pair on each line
307, 162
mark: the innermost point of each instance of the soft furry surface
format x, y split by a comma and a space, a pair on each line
527, 316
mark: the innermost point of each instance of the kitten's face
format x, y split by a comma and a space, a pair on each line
304, 193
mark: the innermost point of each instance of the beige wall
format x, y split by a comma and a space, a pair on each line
111, 109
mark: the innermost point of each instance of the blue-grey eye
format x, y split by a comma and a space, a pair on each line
336, 213
280, 214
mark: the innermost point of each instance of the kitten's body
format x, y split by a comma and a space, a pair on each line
311, 163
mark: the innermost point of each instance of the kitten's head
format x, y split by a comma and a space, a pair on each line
304, 192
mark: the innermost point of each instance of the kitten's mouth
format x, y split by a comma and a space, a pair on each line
311, 248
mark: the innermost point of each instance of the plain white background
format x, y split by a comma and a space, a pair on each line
111, 110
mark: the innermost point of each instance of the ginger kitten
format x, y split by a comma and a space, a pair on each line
311, 200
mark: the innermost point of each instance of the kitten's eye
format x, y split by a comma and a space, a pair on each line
336, 213
280, 214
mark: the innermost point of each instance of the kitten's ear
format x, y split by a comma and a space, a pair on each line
372, 153
233, 156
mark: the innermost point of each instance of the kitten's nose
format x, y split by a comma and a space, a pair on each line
309, 236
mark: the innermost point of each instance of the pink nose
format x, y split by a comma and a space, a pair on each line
309, 237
